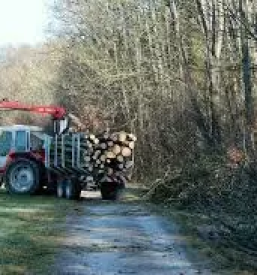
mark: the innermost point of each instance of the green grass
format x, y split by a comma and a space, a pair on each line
31, 232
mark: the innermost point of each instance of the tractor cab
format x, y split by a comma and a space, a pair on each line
20, 139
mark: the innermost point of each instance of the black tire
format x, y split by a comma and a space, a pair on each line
72, 189
61, 189
109, 191
22, 177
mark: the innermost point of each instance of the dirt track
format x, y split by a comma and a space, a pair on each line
108, 238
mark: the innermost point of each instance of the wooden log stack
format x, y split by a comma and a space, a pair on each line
99, 155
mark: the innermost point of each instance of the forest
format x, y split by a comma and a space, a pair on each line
180, 75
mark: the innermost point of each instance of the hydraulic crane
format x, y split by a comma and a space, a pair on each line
59, 114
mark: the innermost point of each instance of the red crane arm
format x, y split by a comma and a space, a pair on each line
55, 111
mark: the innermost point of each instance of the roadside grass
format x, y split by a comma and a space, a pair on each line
224, 252
224, 258
31, 232
133, 193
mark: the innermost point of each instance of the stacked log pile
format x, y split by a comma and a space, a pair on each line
99, 154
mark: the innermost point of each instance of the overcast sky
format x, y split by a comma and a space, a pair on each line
22, 21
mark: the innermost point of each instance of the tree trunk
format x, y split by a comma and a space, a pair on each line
246, 76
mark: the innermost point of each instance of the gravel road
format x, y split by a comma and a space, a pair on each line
108, 238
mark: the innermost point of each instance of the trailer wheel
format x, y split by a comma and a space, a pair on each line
109, 191
22, 177
61, 189
72, 189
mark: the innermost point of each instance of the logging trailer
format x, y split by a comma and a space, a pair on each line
31, 160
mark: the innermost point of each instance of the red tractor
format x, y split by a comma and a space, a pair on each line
25, 159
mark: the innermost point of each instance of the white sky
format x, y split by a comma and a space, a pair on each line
22, 21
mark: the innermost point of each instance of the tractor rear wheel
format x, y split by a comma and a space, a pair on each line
22, 177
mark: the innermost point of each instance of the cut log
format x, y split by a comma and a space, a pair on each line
89, 145
96, 141
92, 137
110, 171
126, 152
129, 164
90, 168
103, 146
114, 137
87, 159
116, 149
96, 154
121, 166
110, 155
110, 143
103, 158
122, 136
132, 145
132, 137
106, 136
120, 158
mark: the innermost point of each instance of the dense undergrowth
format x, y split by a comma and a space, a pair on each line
226, 193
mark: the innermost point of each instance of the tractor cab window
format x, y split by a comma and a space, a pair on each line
5, 142
21, 141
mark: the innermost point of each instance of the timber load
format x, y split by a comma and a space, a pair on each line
94, 156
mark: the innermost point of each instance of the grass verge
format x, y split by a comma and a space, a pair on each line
199, 232
31, 232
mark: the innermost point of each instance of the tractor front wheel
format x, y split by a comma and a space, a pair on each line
22, 177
